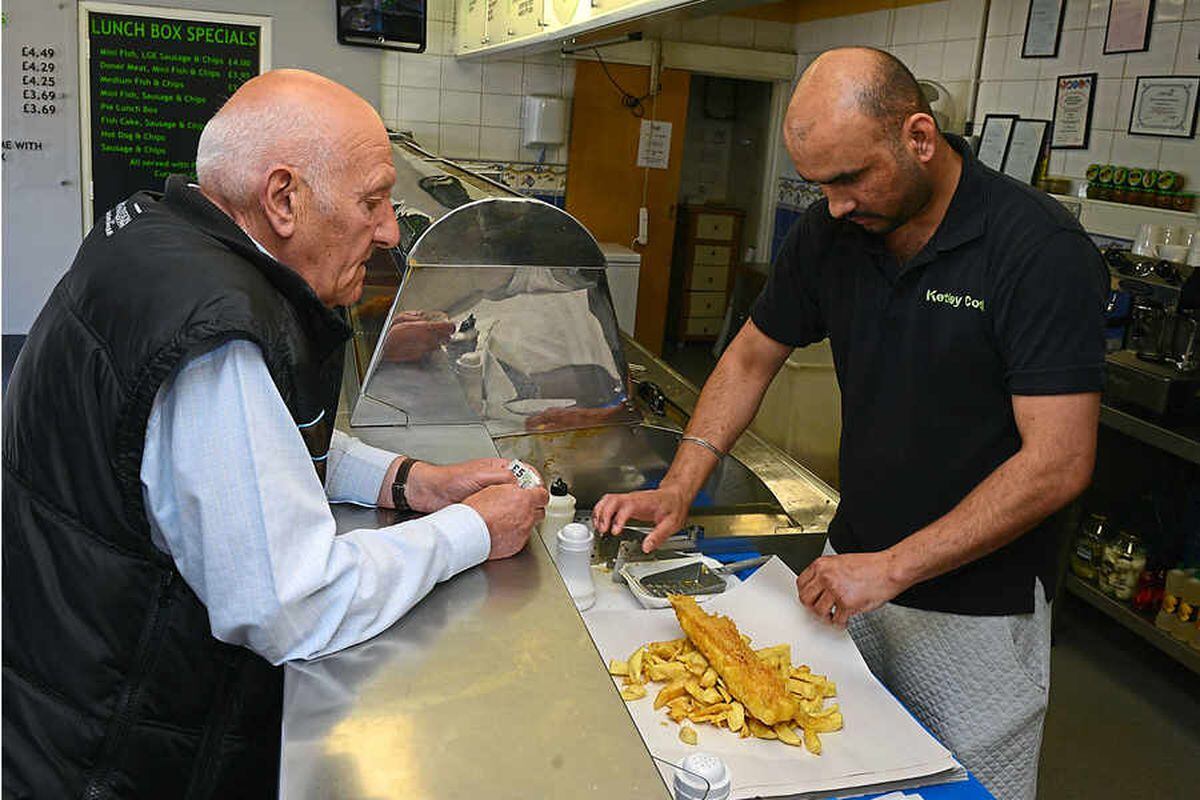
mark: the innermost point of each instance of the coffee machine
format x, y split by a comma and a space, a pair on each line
1158, 368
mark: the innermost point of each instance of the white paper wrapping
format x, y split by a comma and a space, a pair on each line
881, 744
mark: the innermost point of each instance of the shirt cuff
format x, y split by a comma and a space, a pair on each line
466, 533
356, 470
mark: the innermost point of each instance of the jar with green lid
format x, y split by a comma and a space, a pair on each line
1089, 547
1168, 181
1121, 563
1149, 178
1093, 173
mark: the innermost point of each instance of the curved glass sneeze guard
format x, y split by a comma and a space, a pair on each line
503, 317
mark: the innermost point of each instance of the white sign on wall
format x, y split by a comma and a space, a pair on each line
654, 144
40, 133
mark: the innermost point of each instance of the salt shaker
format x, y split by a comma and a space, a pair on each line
573, 555
702, 776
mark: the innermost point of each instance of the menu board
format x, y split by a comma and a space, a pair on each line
151, 79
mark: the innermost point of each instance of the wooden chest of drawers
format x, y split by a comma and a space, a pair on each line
709, 243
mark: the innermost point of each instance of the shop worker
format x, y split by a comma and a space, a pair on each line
167, 432
964, 313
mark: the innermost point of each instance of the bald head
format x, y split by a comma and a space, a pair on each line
852, 85
286, 116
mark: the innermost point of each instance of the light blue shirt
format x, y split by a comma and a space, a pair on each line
233, 498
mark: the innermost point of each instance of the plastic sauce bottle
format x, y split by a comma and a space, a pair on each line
573, 556
560, 511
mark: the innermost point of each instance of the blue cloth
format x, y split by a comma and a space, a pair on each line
231, 495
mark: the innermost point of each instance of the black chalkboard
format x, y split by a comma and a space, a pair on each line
153, 84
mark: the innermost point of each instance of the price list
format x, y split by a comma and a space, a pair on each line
154, 83
39, 80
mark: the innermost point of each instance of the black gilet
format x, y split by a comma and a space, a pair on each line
113, 683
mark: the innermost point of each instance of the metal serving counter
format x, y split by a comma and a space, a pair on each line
491, 686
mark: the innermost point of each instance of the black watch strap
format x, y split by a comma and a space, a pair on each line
398, 485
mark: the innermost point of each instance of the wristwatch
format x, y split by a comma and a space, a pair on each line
398, 485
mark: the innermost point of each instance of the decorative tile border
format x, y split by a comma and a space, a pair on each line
795, 194
526, 178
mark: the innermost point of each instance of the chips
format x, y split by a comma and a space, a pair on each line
694, 694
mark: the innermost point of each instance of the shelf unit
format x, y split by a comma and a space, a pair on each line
1140, 624
1176, 442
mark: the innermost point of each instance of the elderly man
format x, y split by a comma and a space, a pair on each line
167, 432
964, 311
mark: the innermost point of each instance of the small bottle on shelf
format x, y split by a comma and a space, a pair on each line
1089, 544
1185, 612
1123, 561
1166, 620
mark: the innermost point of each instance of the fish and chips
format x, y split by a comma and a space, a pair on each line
714, 677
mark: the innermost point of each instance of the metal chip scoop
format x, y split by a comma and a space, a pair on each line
694, 578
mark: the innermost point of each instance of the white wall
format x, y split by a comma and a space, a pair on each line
937, 41
42, 225
1026, 86
471, 108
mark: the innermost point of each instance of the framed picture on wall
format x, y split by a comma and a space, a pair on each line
1043, 28
1026, 148
1128, 29
994, 138
1074, 97
1165, 105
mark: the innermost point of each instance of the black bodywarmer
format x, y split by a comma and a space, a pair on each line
113, 683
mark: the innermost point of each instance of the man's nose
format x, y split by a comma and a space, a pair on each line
839, 205
387, 233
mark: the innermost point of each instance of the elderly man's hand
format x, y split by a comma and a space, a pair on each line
415, 334
431, 487
836, 588
510, 513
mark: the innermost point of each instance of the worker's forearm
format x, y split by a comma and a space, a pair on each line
727, 405
1018, 495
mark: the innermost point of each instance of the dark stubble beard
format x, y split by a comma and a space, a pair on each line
917, 190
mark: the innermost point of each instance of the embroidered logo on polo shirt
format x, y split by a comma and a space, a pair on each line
954, 300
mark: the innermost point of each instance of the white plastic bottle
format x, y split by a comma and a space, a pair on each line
560, 511
573, 555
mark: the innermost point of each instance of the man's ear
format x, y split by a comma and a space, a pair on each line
921, 135
281, 201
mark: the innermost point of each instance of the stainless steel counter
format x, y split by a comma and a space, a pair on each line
489, 687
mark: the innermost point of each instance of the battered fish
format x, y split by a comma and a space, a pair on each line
758, 687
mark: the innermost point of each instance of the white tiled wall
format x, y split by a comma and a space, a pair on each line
936, 41
471, 108
468, 108
1009, 84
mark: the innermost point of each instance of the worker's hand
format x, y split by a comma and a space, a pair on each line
665, 506
414, 334
510, 513
431, 487
836, 588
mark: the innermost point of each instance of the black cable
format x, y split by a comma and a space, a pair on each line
634, 104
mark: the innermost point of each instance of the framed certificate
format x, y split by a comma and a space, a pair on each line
1043, 28
1128, 29
994, 139
1073, 100
1025, 149
1164, 106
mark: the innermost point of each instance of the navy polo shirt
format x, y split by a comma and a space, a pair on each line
1006, 298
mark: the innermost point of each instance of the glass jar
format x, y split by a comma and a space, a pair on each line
1184, 201
1088, 549
1122, 562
